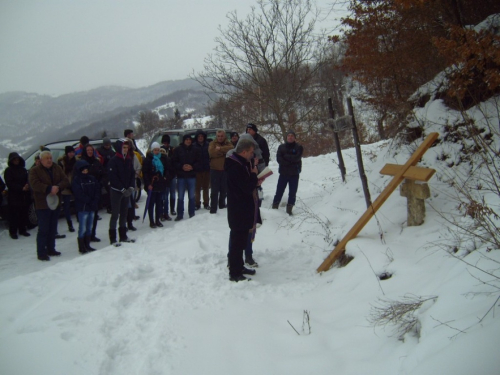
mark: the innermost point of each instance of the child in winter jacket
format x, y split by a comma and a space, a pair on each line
86, 191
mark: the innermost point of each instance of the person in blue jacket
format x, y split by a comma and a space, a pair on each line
86, 190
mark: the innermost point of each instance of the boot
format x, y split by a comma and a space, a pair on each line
70, 226
81, 246
289, 209
122, 232
87, 244
276, 206
112, 236
158, 223
172, 207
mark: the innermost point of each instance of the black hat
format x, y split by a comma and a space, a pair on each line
165, 139
186, 136
291, 132
84, 140
235, 134
252, 126
106, 141
68, 149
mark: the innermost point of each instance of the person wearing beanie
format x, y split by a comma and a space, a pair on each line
16, 180
169, 195
186, 161
155, 170
67, 163
106, 152
289, 157
234, 138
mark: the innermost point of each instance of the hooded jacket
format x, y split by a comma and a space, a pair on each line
16, 178
86, 189
121, 172
203, 147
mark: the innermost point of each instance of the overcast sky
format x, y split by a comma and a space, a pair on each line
61, 46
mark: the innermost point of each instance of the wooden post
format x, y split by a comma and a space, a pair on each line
337, 142
389, 189
359, 155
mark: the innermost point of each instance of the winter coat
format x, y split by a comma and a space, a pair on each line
121, 169
241, 196
187, 155
218, 157
67, 165
86, 189
264, 148
16, 178
203, 147
153, 177
95, 167
170, 156
289, 157
42, 179
106, 155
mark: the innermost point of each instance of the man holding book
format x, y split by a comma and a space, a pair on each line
289, 157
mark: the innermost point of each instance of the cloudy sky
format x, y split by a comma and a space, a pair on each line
60, 46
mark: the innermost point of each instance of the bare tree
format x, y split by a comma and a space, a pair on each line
268, 64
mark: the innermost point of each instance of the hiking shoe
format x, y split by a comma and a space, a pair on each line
54, 253
178, 218
152, 225
94, 239
252, 263
206, 207
44, 258
197, 207
25, 234
59, 236
239, 278
159, 224
13, 236
131, 227
247, 271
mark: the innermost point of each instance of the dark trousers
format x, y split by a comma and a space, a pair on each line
155, 205
293, 184
218, 192
47, 229
18, 218
237, 243
202, 182
119, 208
66, 200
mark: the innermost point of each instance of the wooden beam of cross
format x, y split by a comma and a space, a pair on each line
400, 172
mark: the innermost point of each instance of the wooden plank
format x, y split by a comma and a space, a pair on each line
363, 220
412, 173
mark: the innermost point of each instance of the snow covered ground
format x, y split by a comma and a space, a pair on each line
164, 305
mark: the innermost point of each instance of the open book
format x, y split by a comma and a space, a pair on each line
264, 174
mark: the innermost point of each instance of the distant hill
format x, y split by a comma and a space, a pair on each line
28, 120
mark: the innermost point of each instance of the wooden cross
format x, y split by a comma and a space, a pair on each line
400, 172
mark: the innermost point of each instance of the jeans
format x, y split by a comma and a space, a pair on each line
218, 192
156, 204
47, 228
293, 184
182, 185
85, 222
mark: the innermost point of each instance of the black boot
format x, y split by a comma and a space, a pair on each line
87, 244
122, 232
276, 206
158, 223
172, 207
70, 226
289, 209
81, 246
112, 236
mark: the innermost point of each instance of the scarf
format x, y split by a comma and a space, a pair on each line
157, 164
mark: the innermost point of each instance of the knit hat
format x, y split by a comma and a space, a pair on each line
186, 136
165, 139
252, 126
235, 134
291, 132
68, 149
106, 141
155, 145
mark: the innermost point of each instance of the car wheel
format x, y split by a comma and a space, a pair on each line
32, 219
138, 189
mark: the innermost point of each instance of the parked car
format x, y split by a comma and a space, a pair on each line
57, 150
176, 135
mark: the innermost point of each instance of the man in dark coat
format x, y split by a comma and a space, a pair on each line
16, 179
106, 152
187, 161
289, 157
47, 180
203, 174
242, 205
122, 184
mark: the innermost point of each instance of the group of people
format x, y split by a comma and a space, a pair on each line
226, 167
